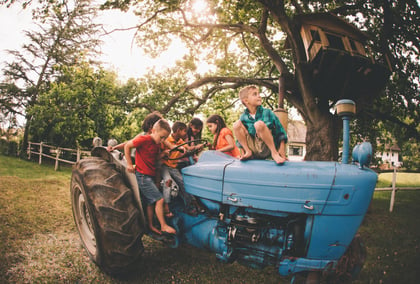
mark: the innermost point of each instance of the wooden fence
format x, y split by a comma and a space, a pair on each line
394, 189
52, 152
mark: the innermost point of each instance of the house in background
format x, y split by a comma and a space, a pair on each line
296, 147
389, 157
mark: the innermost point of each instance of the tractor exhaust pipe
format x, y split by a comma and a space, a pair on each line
346, 110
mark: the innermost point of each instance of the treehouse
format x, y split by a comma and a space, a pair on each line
336, 52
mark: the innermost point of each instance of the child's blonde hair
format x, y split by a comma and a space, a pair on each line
244, 92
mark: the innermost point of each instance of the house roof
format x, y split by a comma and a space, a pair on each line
393, 147
296, 131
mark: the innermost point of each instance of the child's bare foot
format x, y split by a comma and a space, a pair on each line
168, 229
155, 230
246, 156
277, 158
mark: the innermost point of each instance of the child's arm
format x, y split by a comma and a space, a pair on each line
117, 147
170, 146
163, 155
127, 152
230, 146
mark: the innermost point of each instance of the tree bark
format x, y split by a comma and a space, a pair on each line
321, 138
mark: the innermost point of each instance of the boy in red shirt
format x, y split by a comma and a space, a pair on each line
147, 156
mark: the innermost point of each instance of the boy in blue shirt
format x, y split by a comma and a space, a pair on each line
258, 129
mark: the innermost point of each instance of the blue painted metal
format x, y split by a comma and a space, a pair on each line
300, 216
346, 138
362, 154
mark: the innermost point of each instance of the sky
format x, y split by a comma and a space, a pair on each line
119, 54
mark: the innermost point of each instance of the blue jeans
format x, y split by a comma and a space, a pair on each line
148, 188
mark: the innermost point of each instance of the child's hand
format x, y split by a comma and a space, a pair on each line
131, 169
165, 154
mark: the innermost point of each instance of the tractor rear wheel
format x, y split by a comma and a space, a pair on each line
106, 217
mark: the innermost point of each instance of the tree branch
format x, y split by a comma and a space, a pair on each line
238, 81
268, 47
411, 129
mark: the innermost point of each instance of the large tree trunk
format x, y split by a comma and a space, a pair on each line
322, 138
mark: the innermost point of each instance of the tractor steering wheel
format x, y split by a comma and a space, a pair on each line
187, 153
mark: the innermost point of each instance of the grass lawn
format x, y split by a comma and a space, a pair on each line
39, 242
403, 180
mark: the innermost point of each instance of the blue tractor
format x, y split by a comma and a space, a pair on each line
301, 217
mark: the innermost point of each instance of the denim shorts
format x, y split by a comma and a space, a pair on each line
148, 188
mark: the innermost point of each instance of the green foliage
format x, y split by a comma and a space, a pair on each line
77, 108
411, 155
63, 34
9, 148
233, 38
242, 42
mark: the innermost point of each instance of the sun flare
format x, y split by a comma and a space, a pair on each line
199, 6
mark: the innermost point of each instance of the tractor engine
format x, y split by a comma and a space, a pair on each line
258, 240
250, 237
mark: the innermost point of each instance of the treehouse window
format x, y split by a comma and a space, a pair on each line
353, 45
335, 41
315, 35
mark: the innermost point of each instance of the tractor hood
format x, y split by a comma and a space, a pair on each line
292, 187
300, 187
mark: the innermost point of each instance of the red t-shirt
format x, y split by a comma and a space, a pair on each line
147, 152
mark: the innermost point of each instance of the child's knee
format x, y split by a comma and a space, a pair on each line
237, 125
260, 126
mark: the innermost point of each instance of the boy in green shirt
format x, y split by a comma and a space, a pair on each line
258, 129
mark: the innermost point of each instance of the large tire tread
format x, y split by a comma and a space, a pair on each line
114, 214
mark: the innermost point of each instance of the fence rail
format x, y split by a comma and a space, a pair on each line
53, 152
394, 189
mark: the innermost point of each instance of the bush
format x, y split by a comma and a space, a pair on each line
9, 148
3, 146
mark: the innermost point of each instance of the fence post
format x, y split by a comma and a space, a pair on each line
78, 154
40, 153
394, 178
29, 150
57, 156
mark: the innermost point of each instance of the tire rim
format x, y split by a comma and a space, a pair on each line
84, 221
